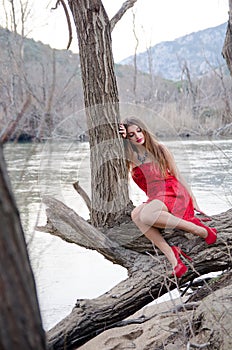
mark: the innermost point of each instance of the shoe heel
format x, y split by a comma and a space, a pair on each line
177, 251
180, 269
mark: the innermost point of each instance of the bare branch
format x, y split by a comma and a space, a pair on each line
125, 6
8, 132
83, 194
135, 59
68, 19
69, 226
13, 15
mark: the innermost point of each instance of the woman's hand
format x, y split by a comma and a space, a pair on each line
122, 130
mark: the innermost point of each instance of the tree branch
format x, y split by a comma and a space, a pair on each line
10, 129
69, 226
91, 317
83, 194
148, 276
68, 19
125, 6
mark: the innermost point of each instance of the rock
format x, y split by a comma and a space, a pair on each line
212, 320
174, 325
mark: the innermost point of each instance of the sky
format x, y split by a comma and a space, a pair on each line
155, 21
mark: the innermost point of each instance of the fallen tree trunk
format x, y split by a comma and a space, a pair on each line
203, 323
148, 275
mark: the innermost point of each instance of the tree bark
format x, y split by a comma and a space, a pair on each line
20, 321
148, 275
110, 198
227, 47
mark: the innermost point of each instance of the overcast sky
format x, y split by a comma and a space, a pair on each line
155, 21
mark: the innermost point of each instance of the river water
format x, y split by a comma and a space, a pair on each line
65, 272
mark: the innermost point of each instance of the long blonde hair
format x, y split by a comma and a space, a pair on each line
156, 150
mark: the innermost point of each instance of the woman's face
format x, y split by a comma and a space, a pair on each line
135, 135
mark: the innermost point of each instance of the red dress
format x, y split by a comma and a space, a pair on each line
168, 190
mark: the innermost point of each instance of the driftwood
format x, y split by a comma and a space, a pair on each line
149, 277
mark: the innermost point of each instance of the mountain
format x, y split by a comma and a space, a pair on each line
201, 51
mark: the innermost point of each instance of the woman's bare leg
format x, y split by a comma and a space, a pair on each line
154, 235
156, 214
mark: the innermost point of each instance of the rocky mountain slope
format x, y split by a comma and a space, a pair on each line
200, 51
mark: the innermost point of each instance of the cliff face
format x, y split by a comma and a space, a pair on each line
180, 324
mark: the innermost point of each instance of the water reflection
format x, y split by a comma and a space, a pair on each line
65, 272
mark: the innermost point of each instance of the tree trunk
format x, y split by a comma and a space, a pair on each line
148, 275
110, 199
20, 321
227, 47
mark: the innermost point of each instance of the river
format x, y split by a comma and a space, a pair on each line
65, 272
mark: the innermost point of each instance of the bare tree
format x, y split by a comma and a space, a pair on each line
191, 89
16, 15
135, 59
227, 48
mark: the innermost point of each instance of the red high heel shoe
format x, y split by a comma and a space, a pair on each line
180, 269
212, 232
212, 235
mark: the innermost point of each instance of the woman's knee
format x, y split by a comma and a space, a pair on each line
150, 214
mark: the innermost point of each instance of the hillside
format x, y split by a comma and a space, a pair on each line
200, 50
51, 80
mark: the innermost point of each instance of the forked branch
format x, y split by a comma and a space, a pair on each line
125, 6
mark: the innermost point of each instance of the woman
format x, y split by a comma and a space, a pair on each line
170, 201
